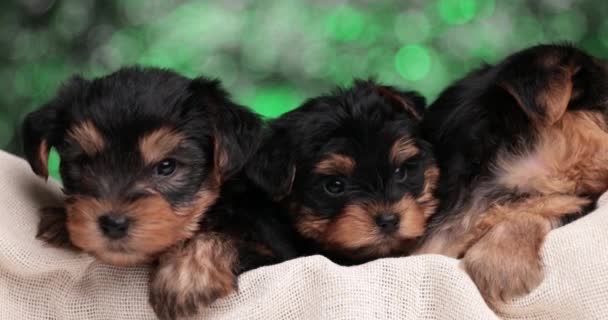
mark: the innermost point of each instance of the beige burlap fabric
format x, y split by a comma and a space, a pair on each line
37, 282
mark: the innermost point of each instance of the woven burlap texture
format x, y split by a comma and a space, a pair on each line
38, 282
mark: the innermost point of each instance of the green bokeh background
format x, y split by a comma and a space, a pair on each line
273, 54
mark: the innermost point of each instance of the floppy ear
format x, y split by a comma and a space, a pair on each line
541, 82
273, 167
237, 130
412, 102
41, 128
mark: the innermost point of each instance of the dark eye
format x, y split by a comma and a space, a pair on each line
334, 186
400, 174
165, 167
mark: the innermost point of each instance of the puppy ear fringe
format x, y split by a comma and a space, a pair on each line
540, 80
41, 126
411, 101
273, 168
237, 131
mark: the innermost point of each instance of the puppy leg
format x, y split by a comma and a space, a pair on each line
505, 262
193, 275
504, 259
52, 228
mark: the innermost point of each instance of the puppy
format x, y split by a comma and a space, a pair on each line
349, 169
522, 147
145, 156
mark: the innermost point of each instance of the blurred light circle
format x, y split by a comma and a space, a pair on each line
486, 9
99, 34
140, 12
412, 27
272, 101
459, 41
73, 17
260, 52
37, 7
413, 62
345, 23
529, 26
457, 11
570, 25
221, 67
311, 59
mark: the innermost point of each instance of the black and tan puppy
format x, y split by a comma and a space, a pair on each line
351, 172
522, 147
145, 156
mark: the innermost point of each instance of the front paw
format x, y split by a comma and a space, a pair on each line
52, 228
506, 264
500, 280
190, 278
180, 293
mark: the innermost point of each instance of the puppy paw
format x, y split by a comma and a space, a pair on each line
501, 279
192, 277
52, 228
506, 263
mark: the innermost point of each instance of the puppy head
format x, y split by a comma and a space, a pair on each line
351, 170
143, 155
545, 81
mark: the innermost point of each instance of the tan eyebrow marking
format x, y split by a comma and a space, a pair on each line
403, 149
157, 145
88, 137
336, 164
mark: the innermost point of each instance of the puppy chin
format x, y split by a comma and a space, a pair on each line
121, 258
383, 247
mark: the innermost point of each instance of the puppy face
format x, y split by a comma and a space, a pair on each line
143, 155
351, 170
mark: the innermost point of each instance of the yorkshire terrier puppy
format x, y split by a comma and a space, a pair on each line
150, 164
522, 147
355, 180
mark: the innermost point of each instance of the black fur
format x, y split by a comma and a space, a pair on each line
476, 117
132, 102
360, 122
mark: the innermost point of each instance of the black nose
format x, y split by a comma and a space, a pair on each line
114, 226
388, 222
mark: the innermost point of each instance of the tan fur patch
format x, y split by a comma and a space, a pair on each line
88, 137
453, 237
220, 157
205, 198
43, 159
413, 220
309, 225
571, 157
158, 144
550, 207
426, 200
556, 97
336, 164
353, 228
193, 275
402, 150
